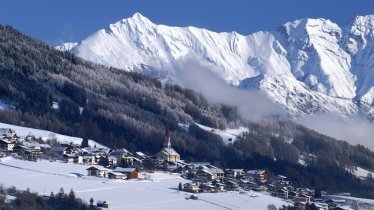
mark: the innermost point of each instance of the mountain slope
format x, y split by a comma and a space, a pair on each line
60, 92
314, 56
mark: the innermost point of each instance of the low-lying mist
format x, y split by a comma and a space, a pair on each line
254, 106
355, 129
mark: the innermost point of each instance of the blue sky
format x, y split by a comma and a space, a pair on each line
72, 20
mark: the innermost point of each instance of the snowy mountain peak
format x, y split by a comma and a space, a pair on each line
136, 19
311, 58
66, 46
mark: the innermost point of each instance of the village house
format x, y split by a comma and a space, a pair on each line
116, 175
209, 188
231, 186
98, 171
234, 173
102, 204
168, 154
123, 155
206, 174
6, 145
8, 134
61, 150
106, 161
281, 193
140, 155
246, 184
131, 173
219, 187
191, 187
260, 176
73, 158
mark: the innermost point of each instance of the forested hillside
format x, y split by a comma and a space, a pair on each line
116, 108
53, 90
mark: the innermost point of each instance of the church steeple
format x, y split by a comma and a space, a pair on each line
167, 143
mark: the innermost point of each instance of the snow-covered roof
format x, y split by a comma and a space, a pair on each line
235, 170
124, 170
169, 151
116, 173
140, 154
98, 168
7, 141
256, 172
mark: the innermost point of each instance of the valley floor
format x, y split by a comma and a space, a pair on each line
157, 191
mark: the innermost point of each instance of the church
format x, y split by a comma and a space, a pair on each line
168, 154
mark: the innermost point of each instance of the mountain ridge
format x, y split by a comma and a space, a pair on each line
314, 56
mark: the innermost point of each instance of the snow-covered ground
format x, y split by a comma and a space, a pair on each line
360, 172
24, 131
225, 134
159, 192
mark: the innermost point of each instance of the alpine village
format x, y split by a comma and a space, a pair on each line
107, 163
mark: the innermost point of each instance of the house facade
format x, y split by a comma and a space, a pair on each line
130, 173
6, 145
97, 171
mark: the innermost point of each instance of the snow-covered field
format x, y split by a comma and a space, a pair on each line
225, 134
24, 131
360, 172
159, 192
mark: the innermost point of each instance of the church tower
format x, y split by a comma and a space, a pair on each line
167, 143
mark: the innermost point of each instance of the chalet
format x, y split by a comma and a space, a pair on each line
8, 134
122, 155
140, 155
246, 184
301, 199
73, 158
45, 147
102, 204
91, 160
292, 194
261, 176
61, 150
208, 188
234, 173
108, 161
231, 186
282, 193
131, 173
182, 169
6, 145
333, 203
32, 149
191, 187
97, 171
168, 154
206, 174
219, 187
116, 175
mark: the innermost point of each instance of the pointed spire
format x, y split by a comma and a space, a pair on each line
167, 143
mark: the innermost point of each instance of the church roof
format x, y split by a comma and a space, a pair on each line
169, 151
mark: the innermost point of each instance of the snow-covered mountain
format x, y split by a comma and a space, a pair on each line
307, 66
